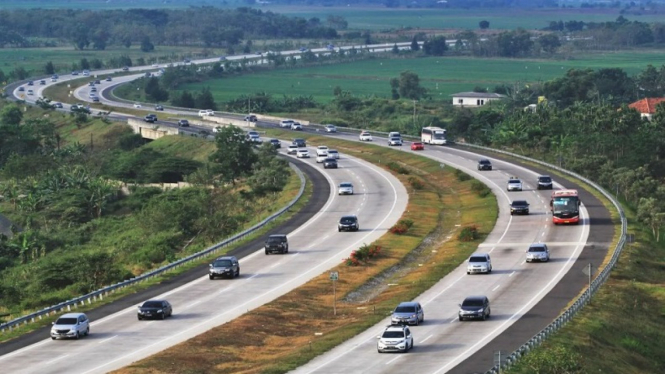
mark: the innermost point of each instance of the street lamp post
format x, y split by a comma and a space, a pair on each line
414, 113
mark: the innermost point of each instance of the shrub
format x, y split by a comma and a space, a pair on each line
362, 255
480, 188
468, 234
397, 168
401, 227
416, 184
462, 176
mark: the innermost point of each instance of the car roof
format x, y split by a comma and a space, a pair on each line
73, 315
350, 216
277, 236
397, 327
544, 176
408, 303
349, 183
483, 160
537, 245
479, 254
155, 301
226, 258
475, 297
520, 202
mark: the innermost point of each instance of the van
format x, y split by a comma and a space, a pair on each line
394, 134
286, 123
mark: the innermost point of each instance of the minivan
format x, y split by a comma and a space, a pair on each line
70, 325
286, 123
394, 134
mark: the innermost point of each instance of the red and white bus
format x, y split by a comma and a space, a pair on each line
565, 205
433, 135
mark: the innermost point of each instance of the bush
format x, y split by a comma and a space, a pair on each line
397, 168
401, 227
362, 255
462, 176
416, 184
480, 188
468, 234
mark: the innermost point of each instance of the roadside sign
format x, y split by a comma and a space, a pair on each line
334, 275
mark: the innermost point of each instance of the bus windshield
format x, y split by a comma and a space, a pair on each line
439, 135
565, 204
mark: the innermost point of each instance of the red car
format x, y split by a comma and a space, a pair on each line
417, 146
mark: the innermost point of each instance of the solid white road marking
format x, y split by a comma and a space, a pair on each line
107, 339
496, 288
57, 359
424, 340
394, 359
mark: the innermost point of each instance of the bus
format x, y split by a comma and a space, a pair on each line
565, 205
433, 135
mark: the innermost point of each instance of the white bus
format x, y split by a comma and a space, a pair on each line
433, 135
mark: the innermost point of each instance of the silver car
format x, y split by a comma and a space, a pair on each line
70, 325
514, 184
395, 141
345, 188
538, 252
333, 153
292, 149
408, 313
225, 266
479, 263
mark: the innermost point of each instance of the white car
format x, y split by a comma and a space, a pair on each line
332, 153
330, 128
70, 325
286, 123
322, 150
538, 252
302, 153
296, 126
321, 157
514, 184
292, 149
479, 263
31, 92
254, 137
217, 129
206, 112
365, 136
137, 105
396, 338
345, 188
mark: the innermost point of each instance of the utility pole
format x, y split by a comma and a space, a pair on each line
414, 113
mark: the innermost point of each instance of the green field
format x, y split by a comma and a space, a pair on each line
443, 76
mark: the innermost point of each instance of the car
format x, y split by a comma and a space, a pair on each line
519, 207
394, 134
479, 263
303, 49
155, 65
395, 339
545, 182
514, 184
222, 58
159, 309
92, 94
408, 313
330, 128
147, 74
225, 266
97, 81
75, 72
31, 92
286, 123
137, 105
70, 325
296, 126
292, 149
321, 157
79, 108
54, 79
108, 79
330, 163
299, 142
345, 188
484, 164
86, 73
365, 136
183, 123
348, 223
95, 99
42, 82
93, 89
474, 307
277, 244
417, 146
91, 83
251, 118
330, 47
31, 83
395, 141
322, 150
159, 107
302, 153
538, 252
21, 89
206, 112
150, 118
276, 143
187, 61
253, 137
333, 153
57, 105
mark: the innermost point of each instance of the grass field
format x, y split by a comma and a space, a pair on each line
442, 76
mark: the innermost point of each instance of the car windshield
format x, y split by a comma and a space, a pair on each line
332, 151
275, 240
152, 304
66, 321
537, 249
545, 179
477, 259
395, 139
253, 133
348, 220
348, 185
519, 203
222, 263
393, 334
473, 302
514, 181
405, 309
484, 162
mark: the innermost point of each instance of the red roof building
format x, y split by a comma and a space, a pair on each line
647, 106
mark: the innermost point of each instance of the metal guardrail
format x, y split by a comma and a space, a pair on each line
101, 293
585, 297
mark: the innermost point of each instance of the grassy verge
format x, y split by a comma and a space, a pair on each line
308, 327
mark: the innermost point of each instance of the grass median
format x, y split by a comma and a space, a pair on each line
294, 328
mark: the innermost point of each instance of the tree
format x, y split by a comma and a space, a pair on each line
205, 100
85, 65
414, 44
484, 24
234, 155
153, 90
394, 88
409, 86
270, 173
436, 46
395, 49
549, 43
146, 45
11, 115
49, 69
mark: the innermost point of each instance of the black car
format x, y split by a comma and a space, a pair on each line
42, 82
183, 123
125, 68
519, 207
95, 99
277, 244
155, 309
348, 223
159, 107
150, 118
75, 73
299, 142
474, 307
225, 266
30, 83
98, 81
79, 108
251, 118
108, 79
276, 143
484, 164
57, 105
330, 163
545, 182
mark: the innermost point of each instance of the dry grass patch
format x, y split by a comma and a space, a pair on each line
300, 325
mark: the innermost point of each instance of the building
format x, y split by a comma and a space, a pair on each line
647, 106
475, 99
